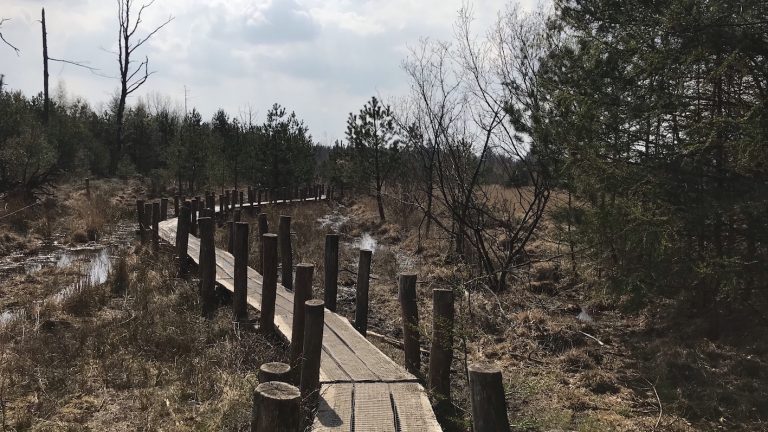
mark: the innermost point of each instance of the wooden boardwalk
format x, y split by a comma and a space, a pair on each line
361, 388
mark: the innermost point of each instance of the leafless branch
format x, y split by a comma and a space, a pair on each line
18, 51
74, 63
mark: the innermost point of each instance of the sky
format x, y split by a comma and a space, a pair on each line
320, 58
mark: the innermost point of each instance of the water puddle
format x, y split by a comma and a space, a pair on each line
333, 220
93, 261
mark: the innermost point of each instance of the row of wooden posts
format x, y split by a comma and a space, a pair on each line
277, 401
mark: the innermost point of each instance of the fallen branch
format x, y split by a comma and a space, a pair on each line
592, 337
658, 400
392, 341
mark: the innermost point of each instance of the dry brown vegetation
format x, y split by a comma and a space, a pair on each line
142, 360
625, 369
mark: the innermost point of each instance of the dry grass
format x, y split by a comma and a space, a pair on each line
140, 361
558, 377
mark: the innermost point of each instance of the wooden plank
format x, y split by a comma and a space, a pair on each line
373, 408
412, 408
345, 356
384, 367
330, 370
335, 410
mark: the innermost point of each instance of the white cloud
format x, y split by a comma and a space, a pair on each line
321, 58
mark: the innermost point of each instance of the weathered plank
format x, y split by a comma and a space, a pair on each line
411, 402
373, 408
335, 410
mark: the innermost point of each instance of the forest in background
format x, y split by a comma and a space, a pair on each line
651, 117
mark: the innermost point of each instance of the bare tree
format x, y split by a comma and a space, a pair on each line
3, 20
131, 78
46, 59
477, 107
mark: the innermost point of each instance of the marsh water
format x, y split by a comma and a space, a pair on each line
92, 261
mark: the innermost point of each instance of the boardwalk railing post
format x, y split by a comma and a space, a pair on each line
276, 408
275, 371
163, 209
176, 204
207, 266
147, 232
140, 216
361, 294
251, 198
331, 269
242, 201
236, 216
156, 227
182, 237
489, 406
269, 283
410, 314
441, 354
286, 252
240, 296
310, 367
263, 229
193, 226
301, 293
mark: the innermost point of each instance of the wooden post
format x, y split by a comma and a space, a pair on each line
182, 237
301, 293
176, 203
275, 371
193, 226
221, 204
276, 408
242, 201
410, 316
286, 251
263, 229
236, 216
269, 283
140, 216
313, 345
156, 226
240, 296
441, 354
331, 270
207, 266
251, 198
361, 294
210, 201
163, 209
489, 407
147, 233
88, 188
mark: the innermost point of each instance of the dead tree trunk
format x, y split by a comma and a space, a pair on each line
46, 99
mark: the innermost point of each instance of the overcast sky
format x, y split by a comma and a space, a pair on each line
320, 58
